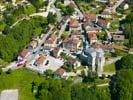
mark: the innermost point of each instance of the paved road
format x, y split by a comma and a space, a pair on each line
18, 21
100, 85
44, 14
37, 50
77, 9
59, 16
63, 28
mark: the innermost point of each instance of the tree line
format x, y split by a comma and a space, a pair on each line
55, 89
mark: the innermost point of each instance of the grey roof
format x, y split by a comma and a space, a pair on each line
98, 52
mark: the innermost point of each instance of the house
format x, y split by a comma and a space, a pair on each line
40, 62
103, 23
91, 27
92, 37
74, 24
33, 44
118, 38
56, 52
72, 62
71, 43
60, 73
105, 47
94, 57
87, 25
106, 14
76, 34
22, 58
90, 17
50, 42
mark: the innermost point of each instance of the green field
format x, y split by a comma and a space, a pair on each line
110, 68
20, 79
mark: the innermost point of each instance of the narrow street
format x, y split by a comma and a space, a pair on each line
78, 10
37, 49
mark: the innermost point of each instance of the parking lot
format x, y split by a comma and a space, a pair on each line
53, 65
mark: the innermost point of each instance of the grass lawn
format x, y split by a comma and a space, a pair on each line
120, 52
20, 79
99, 81
3, 63
110, 68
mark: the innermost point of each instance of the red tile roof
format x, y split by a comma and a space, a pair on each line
60, 71
76, 33
74, 23
104, 46
24, 52
51, 38
72, 40
102, 21
41, 59
71, 60
92, 36
90, 17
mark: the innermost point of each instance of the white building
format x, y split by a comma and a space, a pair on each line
94, 57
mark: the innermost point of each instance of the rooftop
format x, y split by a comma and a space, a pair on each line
24, 52
41, 59
60, 71
51, 38
74, 23
92, 36
72, 40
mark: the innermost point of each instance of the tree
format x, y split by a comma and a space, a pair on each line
54, 89
125, 62
82, 92
70, 9
122, 87
29, 9
49, 73
51, 18
9, 71
128, 30
38, 3
19, 36
2, 25
0, 71
90, 77
33, 84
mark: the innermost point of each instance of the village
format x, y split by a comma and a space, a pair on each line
79, 43
66, 49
